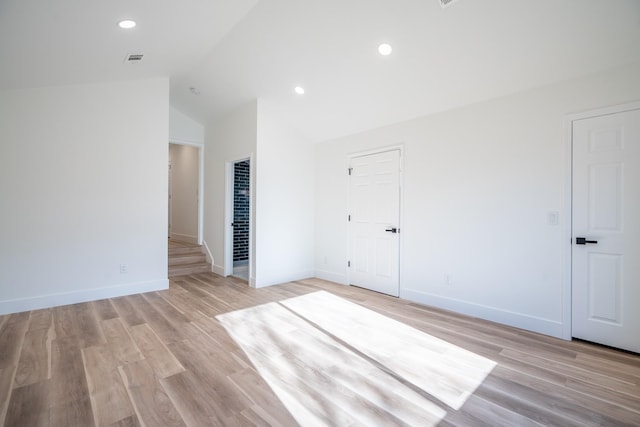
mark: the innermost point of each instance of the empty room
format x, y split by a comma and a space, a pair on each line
320, 213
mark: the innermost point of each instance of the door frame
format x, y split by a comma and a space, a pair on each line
228, 216
170, 207
350, 156
567, 223
200, 147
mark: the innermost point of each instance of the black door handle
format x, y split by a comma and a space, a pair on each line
392, 230
583, 240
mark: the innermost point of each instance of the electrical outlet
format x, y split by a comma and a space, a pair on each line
124, 269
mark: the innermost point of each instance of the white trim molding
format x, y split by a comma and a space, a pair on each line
54, 300
493, 314
209, 257
331, 276
288, 278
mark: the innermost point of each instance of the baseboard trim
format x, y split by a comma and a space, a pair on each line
331, 277
185, 238
288, 278
209, 256
54, 300
217, 269
505, 317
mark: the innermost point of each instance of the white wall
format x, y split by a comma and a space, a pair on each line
282, 179
284, 201
478, 184
228, 138
184, 192
83, 183
183, 129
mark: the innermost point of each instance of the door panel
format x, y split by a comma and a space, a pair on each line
605, 201
605, 288
606, 210
374, 205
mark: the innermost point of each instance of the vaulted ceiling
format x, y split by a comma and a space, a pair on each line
233, 51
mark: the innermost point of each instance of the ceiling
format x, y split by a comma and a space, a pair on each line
234, 51
59, 42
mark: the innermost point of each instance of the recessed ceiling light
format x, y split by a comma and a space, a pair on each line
385, 49
299, 90
127, 24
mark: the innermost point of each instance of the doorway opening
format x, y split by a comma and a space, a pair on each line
185, 204
169, 198
238, 222
241, 204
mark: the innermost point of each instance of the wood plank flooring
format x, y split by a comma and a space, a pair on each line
165, 358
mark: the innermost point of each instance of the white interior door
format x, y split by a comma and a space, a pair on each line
374, 205
606, 210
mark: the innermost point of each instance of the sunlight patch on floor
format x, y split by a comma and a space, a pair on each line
333, 362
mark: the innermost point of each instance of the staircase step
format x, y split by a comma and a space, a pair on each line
188, 258
186, 269
185, 250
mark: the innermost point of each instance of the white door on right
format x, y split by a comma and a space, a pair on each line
606, 230
374, 205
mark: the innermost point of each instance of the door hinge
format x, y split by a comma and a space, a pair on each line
350, 170
348, 263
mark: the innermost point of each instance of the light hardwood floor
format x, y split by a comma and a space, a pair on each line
165, 358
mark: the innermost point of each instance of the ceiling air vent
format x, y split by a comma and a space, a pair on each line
133, 58
446, 3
